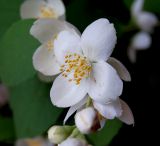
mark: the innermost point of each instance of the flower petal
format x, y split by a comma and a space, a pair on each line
73, 142
31, 8
147, 21
66, 42
110, 110
47, 29
65, 94
74, 108
127, 115
120, 68
105, 85
45, 62
132, 54
137, 7
57, 6
98, 40
141, 41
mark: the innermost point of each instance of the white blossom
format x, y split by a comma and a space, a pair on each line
82, 61
42, 9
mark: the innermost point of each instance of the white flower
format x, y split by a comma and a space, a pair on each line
42, 9
83, 65
146, 21
87, 120
73, 142
116, 109
140, 41
46, 30
38, 141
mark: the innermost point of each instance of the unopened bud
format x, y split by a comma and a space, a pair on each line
87, 120
57, 134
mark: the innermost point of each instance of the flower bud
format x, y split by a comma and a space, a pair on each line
57, 134
141, 41
87, 120
73, 142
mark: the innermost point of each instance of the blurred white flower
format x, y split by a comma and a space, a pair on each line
146, 22
38, 141
4, 95
46, 30
140, 41
87, 120
82, 61
42, 9
73, 142
58, 134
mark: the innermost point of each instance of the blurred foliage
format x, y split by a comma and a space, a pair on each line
105, 136
17, 48
6, 129
32, 109
9, 13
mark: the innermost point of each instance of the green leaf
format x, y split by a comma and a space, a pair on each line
105, 136
6, 129
152, 6
9, 13
32, 109
16, 50
128, 3
149, 5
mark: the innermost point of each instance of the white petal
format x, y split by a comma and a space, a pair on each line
105, 84
147, 21
120, 68
110, 110
66, 42
65, 94
73, 142
45, 62
131, 52
46, 29
98, 40
74, 108
57, 6
31, 8
137, 7
141, 41
127, 115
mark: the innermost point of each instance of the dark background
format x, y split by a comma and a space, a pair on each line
142, 94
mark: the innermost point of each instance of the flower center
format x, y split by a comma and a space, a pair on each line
77, 64
47, 12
